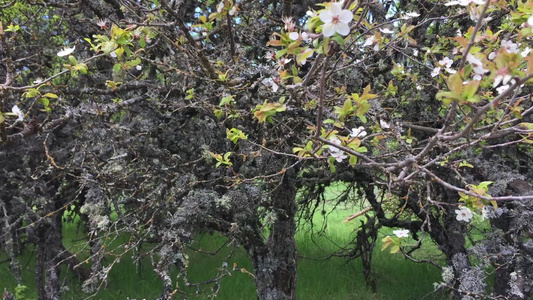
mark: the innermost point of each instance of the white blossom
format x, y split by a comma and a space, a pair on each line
401, 233
335, 141
335, 19
447, 63
386, 30
502, 89
220, 6
294, 36
311, 13
410, 15
369, 41
232, 10
492, 55
339, 155
477, 64
501, 79
384, 124
66, 51
335, 152
463, 214
530, 21
435, 72
464, 2
38, 80
525, 52
16, 110
271, 83
358, 132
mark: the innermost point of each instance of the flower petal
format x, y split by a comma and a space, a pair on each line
294, 36
66, 51
328, 29
335, 8
326, 16
345, 16
342, 28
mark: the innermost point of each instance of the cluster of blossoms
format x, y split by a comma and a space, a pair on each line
221, 5
339, 154
445, 63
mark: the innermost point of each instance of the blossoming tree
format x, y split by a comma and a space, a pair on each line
163, 119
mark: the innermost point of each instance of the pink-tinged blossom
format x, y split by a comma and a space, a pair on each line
335, 20
289, 24
503, 77
447, 64
463, 214
510, 47
102, 23
476, 64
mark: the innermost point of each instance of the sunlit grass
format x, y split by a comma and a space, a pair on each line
333, 278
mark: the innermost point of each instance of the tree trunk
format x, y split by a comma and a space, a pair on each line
275, 261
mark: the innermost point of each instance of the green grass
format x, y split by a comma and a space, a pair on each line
334, 278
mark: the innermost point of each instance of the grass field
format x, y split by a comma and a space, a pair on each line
333, 279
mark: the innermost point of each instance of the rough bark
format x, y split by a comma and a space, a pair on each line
275, 261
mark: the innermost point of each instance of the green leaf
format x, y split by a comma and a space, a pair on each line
109, 46
235, 135
464, 163
116, 68
50, 95
72, 60
304, 55
2, 119
267, 110
280, 53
